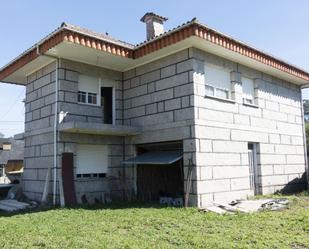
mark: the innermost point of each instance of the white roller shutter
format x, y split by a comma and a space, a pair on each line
91, 159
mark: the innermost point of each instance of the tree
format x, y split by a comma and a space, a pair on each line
1, 135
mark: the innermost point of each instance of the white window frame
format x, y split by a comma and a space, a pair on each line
82, 88
213, 83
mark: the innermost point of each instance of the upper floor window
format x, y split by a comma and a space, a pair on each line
248, 90
88, 90
218, 82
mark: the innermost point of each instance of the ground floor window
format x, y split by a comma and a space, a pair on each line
91, 161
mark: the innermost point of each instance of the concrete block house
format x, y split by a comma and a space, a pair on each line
189, 112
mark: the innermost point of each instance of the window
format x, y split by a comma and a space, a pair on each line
248, 90
92, 98
91, 160
218, 82
88, 90
82, 97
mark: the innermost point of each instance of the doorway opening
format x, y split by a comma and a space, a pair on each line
107, 103
253, 168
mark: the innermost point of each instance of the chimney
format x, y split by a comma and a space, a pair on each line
154, 24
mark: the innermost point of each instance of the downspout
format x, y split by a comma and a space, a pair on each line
123, 142
55, 133
55, 124
304, 136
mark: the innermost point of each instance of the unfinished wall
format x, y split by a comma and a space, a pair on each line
159, 98
39, 120
224, 128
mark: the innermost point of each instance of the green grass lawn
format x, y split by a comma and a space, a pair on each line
155, 227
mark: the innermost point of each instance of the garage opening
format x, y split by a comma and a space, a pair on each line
159, 172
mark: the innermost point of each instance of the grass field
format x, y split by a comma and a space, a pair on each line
155, 227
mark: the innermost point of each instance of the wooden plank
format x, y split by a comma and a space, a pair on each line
68, 179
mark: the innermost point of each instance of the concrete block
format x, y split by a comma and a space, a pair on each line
272, 115
162, 95
289, 129
190, 145
270, 105
285, 149
168, 71
242, 135
173, 81
159, 118
274, 180
70, 97
279, 169
241, 119
251, 111
267, 169
240, 183
294, 168
213, 115
297, 140
69, 86
36, 114
267, 148
229, 146
151, 108
37, 104
48, 89
263, 123
172, 104
205, 145
217, 159
272, 159
184, 114
212, 132
71, 75
230, 172
295, 159
141, 100
151, 87
285, 139
185, 66
183, 90
185, 102
213, 186
161, 107
205, 173
31, 96
150, 77
135, 82
46, 111
274, 138
206, 200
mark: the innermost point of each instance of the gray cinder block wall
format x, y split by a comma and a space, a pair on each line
159, 97
39, 109
166, 98
223, 130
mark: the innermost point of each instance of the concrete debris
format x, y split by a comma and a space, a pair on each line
247, 206
13, 205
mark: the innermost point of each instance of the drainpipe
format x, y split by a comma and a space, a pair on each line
55, 122
55, 133
304, 136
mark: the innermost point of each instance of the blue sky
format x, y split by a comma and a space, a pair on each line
279, 27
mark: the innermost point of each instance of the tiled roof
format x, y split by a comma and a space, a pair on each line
103, 42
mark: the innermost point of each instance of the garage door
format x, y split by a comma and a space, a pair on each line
91, 159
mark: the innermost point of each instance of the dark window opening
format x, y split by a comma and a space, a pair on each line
107, 103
